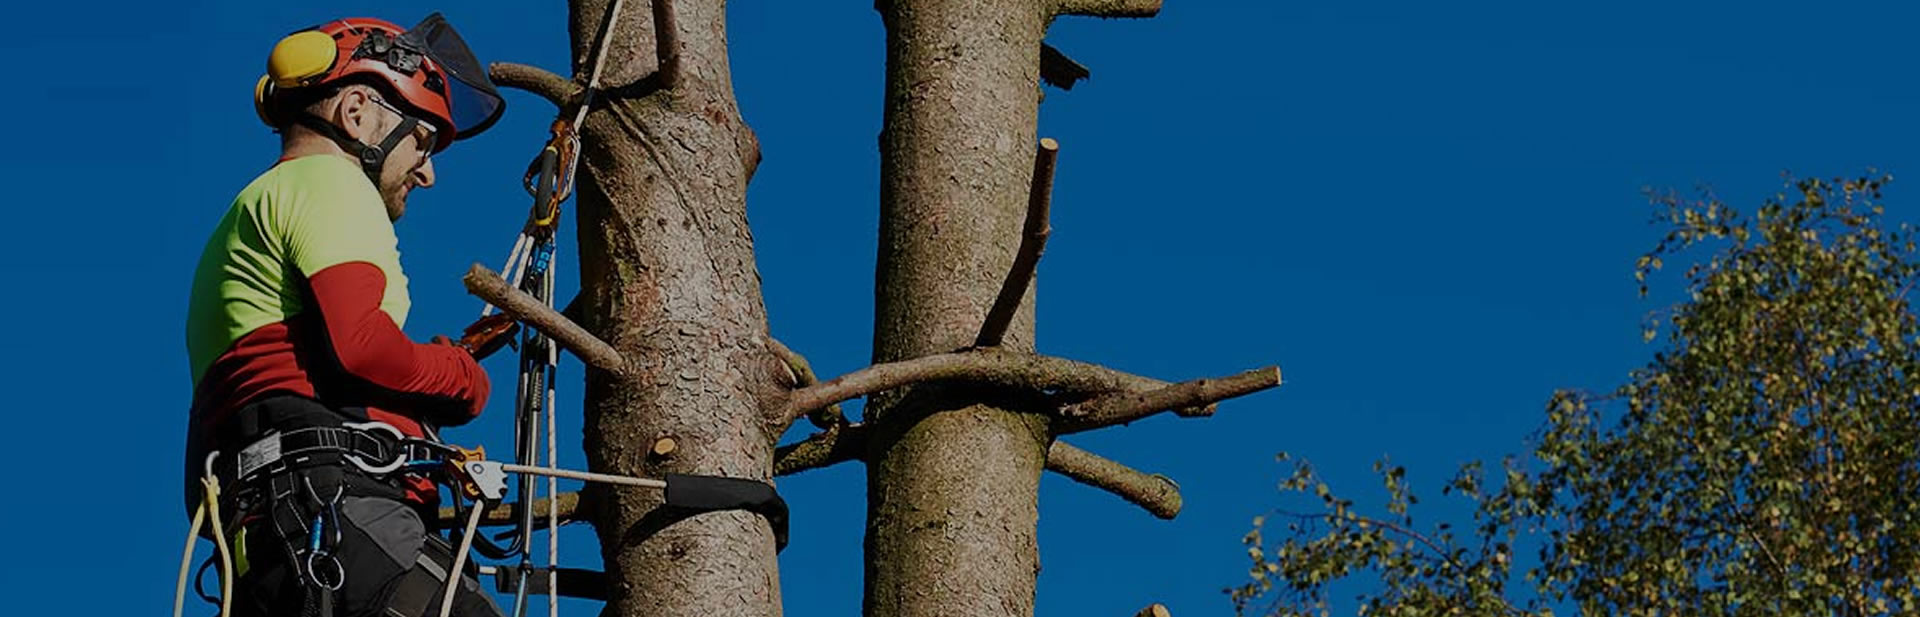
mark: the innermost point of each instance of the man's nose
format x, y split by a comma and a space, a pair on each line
423, 176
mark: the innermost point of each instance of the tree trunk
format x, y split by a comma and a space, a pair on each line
668, 278
954, 471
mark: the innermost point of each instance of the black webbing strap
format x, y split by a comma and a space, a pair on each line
316, 445
574, 582
712, 493
373, 158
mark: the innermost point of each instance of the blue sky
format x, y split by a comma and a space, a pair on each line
1426, 213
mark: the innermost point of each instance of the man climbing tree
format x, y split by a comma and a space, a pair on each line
302, 374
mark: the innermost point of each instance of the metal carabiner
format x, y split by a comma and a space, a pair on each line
399, 454
339, 572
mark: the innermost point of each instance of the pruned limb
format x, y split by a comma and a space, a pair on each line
569, 510
1033, 242
1154, 610
837, 444
803, 376
1184, 398
1019, 370
1155, 493
667, 43
1107, 8
555, 89
488, 286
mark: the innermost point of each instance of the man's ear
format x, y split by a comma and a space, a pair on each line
354, 113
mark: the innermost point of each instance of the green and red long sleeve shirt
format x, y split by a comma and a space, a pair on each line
300, 291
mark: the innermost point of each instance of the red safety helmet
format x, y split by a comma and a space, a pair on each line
426, 70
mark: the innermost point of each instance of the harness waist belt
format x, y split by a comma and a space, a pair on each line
373, 447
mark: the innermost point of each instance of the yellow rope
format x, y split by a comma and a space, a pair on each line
212, 508
186, 559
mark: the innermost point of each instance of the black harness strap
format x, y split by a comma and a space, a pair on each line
373, 158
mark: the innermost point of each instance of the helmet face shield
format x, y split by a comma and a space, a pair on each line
472, 102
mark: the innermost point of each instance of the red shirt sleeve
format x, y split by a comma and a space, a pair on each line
441, 382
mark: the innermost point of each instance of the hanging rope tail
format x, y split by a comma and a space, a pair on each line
209, 509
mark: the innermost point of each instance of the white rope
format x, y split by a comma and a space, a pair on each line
584, 476
186, 559
212, 490
460, 557
553, 514
209, 509
513, 257
600, 59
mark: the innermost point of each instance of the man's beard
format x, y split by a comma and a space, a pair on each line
395, 198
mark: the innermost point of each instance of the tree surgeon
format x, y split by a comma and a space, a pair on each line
303, 381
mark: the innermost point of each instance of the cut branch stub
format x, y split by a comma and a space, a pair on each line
555, 89
1192, 398
667, 43
1033, 242
1154, 610
486, 285
1155, 493
1107, 8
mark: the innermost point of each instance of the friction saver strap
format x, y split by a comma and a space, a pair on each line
711, 493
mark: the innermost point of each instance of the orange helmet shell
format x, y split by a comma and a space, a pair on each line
374, 51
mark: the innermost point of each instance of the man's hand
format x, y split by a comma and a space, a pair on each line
485, 336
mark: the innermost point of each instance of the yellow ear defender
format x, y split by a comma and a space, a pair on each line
301, 58
297, 60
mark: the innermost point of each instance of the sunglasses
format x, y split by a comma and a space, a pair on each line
426, 134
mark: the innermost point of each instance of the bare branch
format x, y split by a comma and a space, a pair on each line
837, 444
488, 286
1033, 242
569, 503
1004, 368
1153, 492
1107, 8
555, 89
1154, 610
803, 376
1184, 398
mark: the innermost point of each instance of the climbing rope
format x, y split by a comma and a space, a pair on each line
209, 509
549, 179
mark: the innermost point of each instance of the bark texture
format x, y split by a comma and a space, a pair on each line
953, 473
668, 279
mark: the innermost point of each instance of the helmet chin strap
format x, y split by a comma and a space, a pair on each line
373, 158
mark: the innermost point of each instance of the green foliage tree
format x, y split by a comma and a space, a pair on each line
1765, 462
